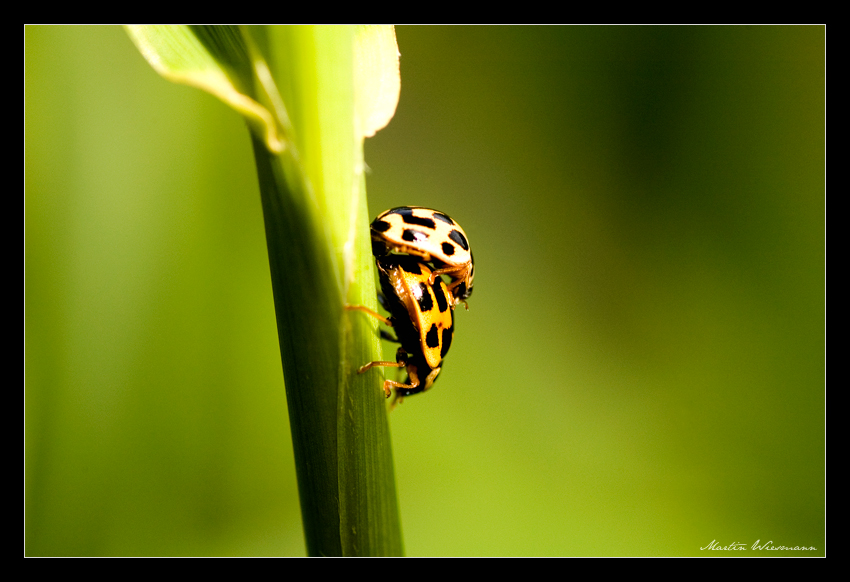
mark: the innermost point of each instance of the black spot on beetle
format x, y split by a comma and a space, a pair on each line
458, 237
381, 225
411, 235
448, 249
425, 302
441, 297
419, 221
412, 267
445, 218
432, 338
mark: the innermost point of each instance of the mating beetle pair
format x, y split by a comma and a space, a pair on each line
413, 246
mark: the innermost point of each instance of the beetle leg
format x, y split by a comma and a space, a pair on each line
401, 362
414, 383
368, 311
450, 271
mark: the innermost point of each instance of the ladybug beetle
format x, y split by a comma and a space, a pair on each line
421, 314
434, 237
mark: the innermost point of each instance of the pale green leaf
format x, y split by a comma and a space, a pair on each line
215, 59
376, 76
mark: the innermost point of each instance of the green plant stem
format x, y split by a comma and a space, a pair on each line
338, 418
301, 90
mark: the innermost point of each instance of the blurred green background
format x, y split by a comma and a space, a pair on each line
641, 370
